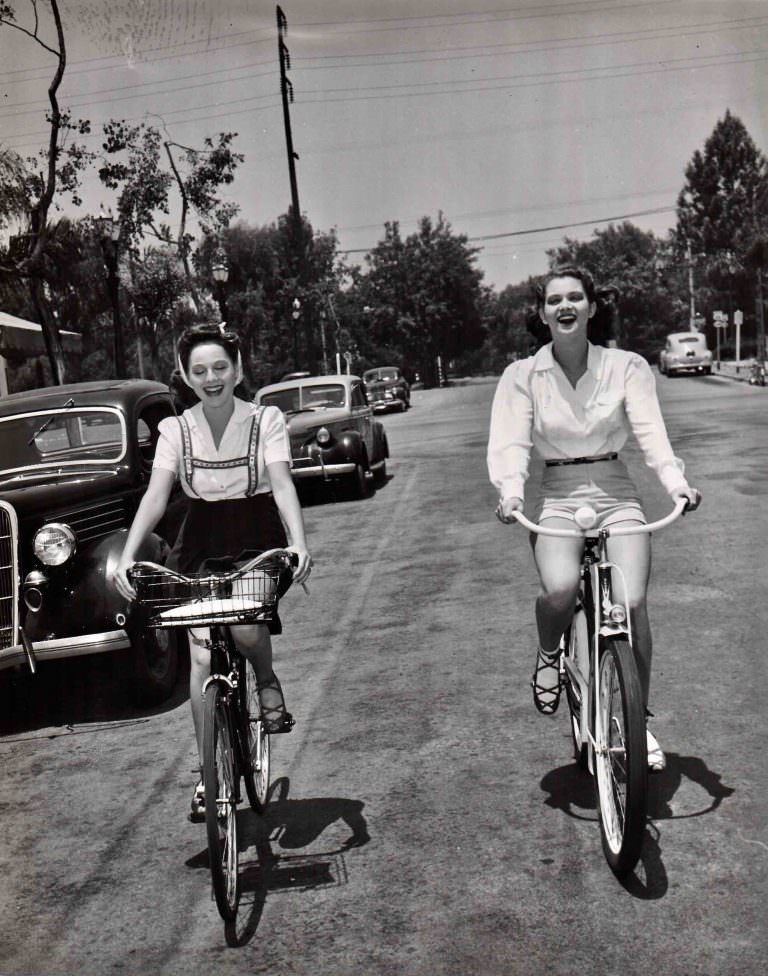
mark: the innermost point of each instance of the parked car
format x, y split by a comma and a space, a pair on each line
333, 433
387, 388
74, 463
685, 352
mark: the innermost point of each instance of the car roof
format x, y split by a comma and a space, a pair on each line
98, 393
680, 335
343, 379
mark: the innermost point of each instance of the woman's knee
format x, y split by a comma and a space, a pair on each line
251, 640
199, 651
560, 594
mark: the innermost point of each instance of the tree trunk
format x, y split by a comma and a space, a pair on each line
50, 329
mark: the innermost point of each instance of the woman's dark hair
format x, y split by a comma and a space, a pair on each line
196, 335
567, 271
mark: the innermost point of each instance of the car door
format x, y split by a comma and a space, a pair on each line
363, 416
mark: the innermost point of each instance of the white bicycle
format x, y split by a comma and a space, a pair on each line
602, 686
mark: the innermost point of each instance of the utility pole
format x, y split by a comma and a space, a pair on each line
689, 259
286, 91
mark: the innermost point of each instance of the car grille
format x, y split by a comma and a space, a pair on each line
95, 521
9, 576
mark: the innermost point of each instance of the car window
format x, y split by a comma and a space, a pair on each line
147, 431
694, 340
327, 395
358, 397
61, 437
286, 400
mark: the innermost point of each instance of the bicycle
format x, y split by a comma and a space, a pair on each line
598, 667
235, 736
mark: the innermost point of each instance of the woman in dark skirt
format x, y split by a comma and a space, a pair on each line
233, 460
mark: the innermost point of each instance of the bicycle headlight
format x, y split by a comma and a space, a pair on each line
323, 436
54, 543
617, 614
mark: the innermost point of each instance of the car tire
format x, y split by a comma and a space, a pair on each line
153, 664
380, 474
359, 486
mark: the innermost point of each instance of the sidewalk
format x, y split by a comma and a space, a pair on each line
733, 370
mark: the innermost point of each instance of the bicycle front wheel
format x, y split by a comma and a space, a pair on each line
220, 783
254, 741
621, 757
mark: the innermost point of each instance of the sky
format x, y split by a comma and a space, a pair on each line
520, 121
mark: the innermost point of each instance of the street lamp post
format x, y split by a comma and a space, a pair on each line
296, 315
110, 246
220, 272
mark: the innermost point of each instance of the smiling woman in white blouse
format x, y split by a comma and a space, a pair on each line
233, 460
576, 404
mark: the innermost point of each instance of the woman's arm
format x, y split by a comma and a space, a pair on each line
150, 511
288, 505
509, 439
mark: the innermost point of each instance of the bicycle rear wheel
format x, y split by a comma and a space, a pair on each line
621, 757
254, 741
576, 642
220, 783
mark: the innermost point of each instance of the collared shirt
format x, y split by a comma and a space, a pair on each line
216, 484
536, 406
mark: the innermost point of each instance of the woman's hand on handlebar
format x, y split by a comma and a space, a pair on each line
121, 581
304, 566
505, 508
692, 497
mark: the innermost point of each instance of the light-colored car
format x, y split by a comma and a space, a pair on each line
685, 352
332, 429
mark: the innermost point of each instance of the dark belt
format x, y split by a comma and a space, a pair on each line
556, 462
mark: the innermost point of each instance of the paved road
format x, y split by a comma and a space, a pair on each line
426, 820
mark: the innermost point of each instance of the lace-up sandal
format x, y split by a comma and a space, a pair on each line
546, 697
197, 813
275, 717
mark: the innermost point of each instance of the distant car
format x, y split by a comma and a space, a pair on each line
74, 463
387, 388
685, 352
334, 436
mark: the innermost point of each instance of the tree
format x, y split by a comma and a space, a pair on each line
59, 171
723, 206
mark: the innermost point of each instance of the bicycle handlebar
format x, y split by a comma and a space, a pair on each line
680, 505
270, 555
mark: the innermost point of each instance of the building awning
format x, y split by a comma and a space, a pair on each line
18, 337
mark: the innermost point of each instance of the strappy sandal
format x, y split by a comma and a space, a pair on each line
546, 698
197, 813
275, 717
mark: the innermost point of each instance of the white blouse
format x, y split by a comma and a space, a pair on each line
215, 484
536, 406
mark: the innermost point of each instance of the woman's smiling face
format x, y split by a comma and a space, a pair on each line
566, 308
212, 374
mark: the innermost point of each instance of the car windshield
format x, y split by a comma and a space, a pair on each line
60, 437
380, 374
306, 397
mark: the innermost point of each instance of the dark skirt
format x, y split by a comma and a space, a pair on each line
234, 529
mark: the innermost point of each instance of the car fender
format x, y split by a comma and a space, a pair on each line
352, 444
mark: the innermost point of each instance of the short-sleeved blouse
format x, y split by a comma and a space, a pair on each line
228, 474
535, 406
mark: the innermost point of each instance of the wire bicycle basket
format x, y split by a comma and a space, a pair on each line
168, 599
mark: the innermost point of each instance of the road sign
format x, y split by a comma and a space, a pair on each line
719, 320
738, 317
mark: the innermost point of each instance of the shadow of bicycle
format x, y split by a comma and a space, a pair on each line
571, 790
285, 825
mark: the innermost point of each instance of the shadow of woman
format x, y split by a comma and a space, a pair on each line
289, 824
569, 788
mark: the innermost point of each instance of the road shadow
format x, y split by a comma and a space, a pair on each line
571, 790
75, 692
288, 825
333, 493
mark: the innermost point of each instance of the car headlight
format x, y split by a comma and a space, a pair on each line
54, 543
323, 436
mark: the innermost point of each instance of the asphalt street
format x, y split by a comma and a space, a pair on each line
425, 820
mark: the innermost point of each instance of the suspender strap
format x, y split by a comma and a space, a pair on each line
186, 453
253, 453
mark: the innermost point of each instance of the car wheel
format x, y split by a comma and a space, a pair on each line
154, 664
380, 474
358, 481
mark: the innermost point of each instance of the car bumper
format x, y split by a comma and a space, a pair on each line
688, 367
63, 647
315, 470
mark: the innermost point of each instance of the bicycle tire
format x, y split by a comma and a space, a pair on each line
220, 784
254, 741
577, 649
621, 757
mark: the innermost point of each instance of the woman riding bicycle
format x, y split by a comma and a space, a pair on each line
233, 461
576, 404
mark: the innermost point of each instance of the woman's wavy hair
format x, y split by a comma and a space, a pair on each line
567, 271
197, 335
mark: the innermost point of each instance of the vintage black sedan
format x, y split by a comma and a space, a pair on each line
74, 463
387, 388
334, 436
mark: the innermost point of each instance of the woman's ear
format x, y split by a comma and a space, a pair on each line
592, 308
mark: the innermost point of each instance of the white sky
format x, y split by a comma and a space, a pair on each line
507, 115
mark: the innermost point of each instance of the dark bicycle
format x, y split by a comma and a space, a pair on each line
235, 736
